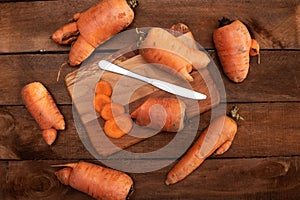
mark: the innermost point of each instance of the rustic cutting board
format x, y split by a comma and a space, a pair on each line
131, 93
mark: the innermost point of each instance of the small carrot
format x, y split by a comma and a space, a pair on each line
42, 107
96, 181
100, 100
118, 126
165, 50
166, 114
94, 26
217, 137
103, 87
234, 45
49, 135
111, 110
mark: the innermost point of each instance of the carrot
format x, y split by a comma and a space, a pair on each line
166, 114
42, 107
233, 43
111, 110
96, 181
165, 50
184, 34
118, 126
49, 135
100, 100
217, 137
103, 87
94, 26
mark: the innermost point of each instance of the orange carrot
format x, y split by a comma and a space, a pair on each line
94, 26
118, 126
96, 181
217, 137
233, 43
42, 107
166, 114
103, 87
165, 50
111, 110
100, 100
185, 35
49, 135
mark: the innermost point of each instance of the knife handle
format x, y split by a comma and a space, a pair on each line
108, 66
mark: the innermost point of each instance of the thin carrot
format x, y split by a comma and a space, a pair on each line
165, 50
96, 181
94, 26
42, 107
217, 137
166, 114
118, 126
100, 100
111, 110
103, 87
233, 43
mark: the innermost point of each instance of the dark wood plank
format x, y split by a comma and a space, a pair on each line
269, 129
255, 178
275, 79
31, 32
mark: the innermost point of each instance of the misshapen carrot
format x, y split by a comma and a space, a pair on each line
94, 26
166, 114
233, 43
165, 50
217, 137
42, 107
96, 181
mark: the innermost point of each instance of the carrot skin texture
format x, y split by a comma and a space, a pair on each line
225, 128
233, 43
96, 181
165, 114
94, 28
164, 49
42, 107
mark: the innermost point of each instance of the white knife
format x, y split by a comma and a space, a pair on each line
171, 88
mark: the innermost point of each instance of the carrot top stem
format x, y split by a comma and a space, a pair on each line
224, 21
132, 3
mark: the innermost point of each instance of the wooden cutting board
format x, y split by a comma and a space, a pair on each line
131, 93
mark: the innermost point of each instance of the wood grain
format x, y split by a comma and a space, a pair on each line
32, 31
275, 178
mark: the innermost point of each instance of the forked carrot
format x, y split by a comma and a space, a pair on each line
103, 87
94, 26
234, 45
42, 107
118, 126
111, 110
165, 50
100, 100
96, 181
166, 114
217, 137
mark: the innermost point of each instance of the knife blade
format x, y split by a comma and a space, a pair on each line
168, 87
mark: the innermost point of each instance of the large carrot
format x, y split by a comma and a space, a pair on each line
42, 107
234, 45
94, 26
96, 181
163, 49
166, 114
217, 137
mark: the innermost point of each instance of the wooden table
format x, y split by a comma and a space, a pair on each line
264, 160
